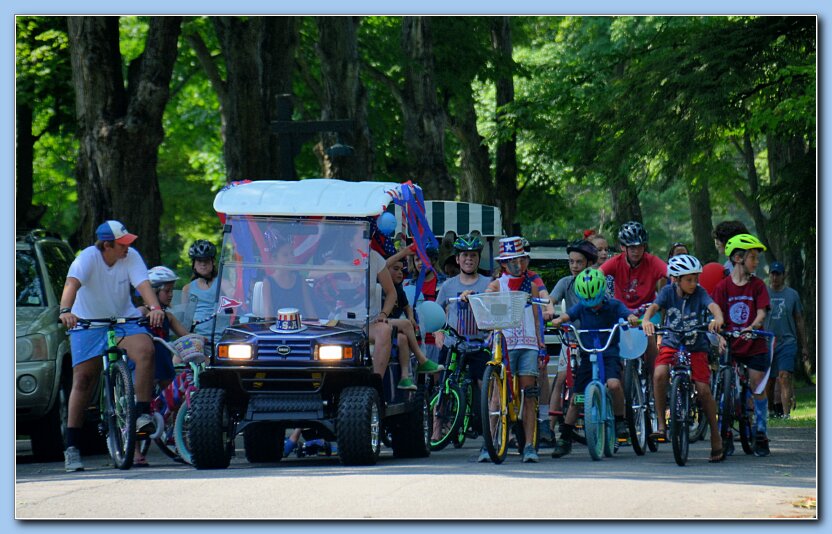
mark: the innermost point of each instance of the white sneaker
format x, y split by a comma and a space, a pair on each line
72, 460
145, 423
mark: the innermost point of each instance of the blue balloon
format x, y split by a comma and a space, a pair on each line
431, 316
386, 223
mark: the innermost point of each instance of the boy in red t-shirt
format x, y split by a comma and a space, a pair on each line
744, 300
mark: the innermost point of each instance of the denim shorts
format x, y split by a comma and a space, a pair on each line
89, 343
784, 358
523, 362
612, 369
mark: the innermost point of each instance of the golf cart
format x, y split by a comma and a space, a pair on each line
298, 355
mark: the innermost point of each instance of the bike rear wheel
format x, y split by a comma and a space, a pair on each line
466, 426
447, 407
635, 408
593, 421
651, 420
725, 403
610, 437
679, 417
494, 411
698, 421
746, 420
120, 414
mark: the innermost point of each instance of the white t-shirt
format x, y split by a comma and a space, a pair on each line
105, 291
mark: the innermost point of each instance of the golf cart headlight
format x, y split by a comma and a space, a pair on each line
334, 352
236, 352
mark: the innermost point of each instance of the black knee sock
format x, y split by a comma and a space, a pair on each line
566, 432
143, 407
73, 437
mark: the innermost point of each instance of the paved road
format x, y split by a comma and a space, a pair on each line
449, 484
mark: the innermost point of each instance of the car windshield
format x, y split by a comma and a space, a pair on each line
317, 266
28, 280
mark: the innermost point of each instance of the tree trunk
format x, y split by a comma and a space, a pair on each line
424, 124
345, 97
751, 201
625, 203
505, 173
121, 127
699, 200
475, 183
28, 214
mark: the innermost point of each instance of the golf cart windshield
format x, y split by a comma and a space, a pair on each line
315, 265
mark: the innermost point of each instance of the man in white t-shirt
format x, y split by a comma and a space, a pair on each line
98, 285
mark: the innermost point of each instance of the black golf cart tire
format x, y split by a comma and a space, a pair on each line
209, 429
359, 437
411, 434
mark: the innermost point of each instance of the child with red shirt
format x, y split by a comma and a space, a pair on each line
744, 300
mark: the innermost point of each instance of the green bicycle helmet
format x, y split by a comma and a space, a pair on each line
590, 287
467, 242
743, 242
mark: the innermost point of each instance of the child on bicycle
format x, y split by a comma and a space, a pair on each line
582, 254
204, 266
525, 343
744, 300
595, 311
684, 302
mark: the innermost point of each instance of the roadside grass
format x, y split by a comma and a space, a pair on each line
805, 413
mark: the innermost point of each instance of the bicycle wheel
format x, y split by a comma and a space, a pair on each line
651, 420
465, 427
679, 415
747, 420
634, 408
593, 422
494, 411
610, 437
698, 420
724, 402
447, 407
181, 433
120, 413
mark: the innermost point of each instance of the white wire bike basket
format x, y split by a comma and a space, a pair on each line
498, 310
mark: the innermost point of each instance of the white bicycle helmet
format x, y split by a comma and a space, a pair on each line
683, 264
161, 275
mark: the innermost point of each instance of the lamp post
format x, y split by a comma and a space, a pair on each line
291, 135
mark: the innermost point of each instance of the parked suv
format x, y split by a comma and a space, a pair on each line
43, 363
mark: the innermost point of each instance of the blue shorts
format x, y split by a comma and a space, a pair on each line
784, 358
612, 369
89, 343
523, 362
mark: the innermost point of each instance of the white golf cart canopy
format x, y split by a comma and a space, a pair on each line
310, 197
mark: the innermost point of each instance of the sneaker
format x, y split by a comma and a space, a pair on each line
429, 366
72, 460
761, 445
546, 438
145, 424
406, 383
288, 447
787, 417
484, 456
621, 431
530, 455
562, 448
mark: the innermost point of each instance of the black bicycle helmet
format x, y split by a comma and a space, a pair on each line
584, 247
202, 250
467, 242
632, 233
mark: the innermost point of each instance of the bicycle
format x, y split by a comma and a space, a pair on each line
501, 404
639, 403
453, 404
117, 401
567, 393
170, 407
699, 421
599, 420
682, 393
734, 397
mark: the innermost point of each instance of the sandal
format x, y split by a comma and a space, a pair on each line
659, 437
717, 455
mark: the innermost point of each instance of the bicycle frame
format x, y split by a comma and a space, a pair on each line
604, 418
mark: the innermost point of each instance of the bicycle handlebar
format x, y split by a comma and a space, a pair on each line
611, 331
534, 300
112, 321
703, 328
747, 334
